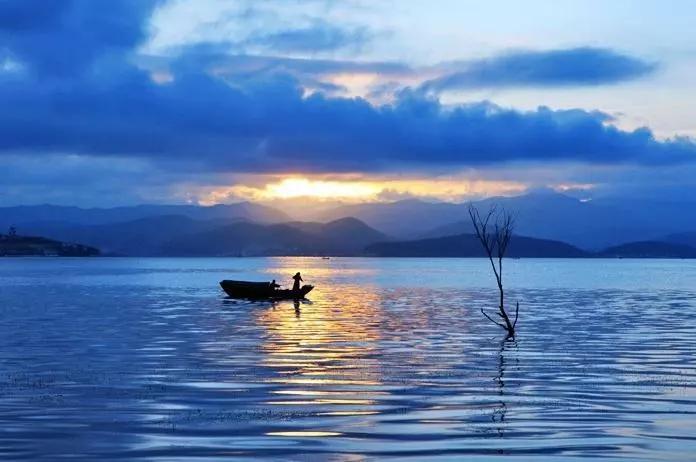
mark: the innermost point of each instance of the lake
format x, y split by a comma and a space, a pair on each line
145, 359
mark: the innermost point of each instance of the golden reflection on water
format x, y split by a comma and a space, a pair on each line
323, 353
306, 434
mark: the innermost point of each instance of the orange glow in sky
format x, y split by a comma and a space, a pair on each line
303, 187
359, 190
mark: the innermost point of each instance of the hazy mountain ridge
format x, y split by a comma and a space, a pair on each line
451, 229
347, 229
141, 237
182, 236
346, 236
686, 238
402, 219
174, 235
591, 225
468, 245
650, 249
36, 214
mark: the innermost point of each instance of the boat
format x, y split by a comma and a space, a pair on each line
262, 290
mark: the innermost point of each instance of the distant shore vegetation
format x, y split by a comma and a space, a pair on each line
14, 245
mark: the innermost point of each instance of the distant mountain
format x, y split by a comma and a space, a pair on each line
403, 219
451, 229
543, 214
12, 245
590, 225
650, 249
467, 245
688, 238
596, 224
20, 216
174, 235
346, 236
349, 234
242, 239
142, 237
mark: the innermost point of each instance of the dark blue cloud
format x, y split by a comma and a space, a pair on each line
575, 66
267, 123
314, 73
320, 36
65, 37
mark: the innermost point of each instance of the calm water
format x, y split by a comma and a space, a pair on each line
145, 359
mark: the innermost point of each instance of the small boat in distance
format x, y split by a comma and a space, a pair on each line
262, 290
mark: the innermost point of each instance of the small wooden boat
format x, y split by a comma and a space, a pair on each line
262, 290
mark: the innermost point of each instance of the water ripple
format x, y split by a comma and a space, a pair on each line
133, 369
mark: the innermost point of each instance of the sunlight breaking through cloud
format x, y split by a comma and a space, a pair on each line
360, 190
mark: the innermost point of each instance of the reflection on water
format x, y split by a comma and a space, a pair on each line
498, 416
145, 359
319, 355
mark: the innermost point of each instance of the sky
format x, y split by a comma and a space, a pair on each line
118, 102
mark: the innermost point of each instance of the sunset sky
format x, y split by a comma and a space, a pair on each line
216, 101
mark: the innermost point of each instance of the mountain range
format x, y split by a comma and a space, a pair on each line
343, 237
468, 245
547, 223
175, 235
591, 225
36, 215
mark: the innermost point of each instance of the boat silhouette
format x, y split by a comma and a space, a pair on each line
262, 290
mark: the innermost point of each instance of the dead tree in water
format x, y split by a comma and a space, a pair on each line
494, 231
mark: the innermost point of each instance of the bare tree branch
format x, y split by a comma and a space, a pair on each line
492, 320
495, 243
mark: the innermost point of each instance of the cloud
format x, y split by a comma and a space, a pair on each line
319, 36
65, 37
85, 180
269, 125
566, 67
261, 119
215, 57
572, 67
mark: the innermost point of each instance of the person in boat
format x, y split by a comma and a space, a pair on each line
298, 278
273, 285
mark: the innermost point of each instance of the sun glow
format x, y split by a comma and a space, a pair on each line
355, 190
302, 187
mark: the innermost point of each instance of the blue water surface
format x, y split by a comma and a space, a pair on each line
145, 359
